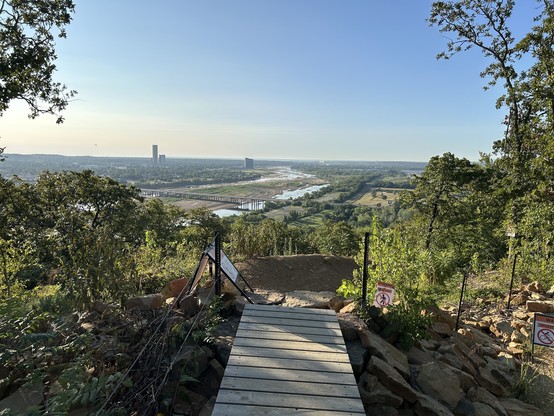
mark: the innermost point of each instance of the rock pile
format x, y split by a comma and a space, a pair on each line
471, 371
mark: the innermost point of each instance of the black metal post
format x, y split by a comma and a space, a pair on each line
461, 300
364, 280
512, 282
217, 264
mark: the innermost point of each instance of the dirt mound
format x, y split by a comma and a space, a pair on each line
313, 272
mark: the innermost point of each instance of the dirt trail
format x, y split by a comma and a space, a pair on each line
314, 272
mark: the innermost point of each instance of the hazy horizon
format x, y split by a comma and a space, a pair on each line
313, 79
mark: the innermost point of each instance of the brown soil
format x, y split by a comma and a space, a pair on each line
312, 272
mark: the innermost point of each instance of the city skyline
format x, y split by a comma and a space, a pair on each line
314, 80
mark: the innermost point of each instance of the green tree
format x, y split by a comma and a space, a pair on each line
86, 223
525, 68
27, 54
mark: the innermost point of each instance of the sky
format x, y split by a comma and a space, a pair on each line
266, 79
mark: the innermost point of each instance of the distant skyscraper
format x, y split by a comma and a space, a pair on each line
248, 163
155, 154
162, 159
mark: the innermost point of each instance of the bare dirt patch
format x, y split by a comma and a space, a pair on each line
314, 272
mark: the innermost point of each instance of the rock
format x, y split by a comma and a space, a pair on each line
350, 325
442, 329
195, 361
174, 288
381, 410
379, 394
145, 303
358, 356
211, 378
380, 348
482, 395
540, 306
336, 303
502, 329
367, 382
534, 287
307, 299
391, 379
417, 357
464, 408
472, 336
440, 383
427, 406
193, 403
189, 305
486, 379
518, 299
515, 407
224, 336
550, 292
208, 408
481, 409
25, 399
102, 307
350, 308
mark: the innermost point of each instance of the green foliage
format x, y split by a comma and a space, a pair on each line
27, 53
410, 323
349, 289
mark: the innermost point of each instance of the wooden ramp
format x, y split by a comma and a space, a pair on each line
288, 360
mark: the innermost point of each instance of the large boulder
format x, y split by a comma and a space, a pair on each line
145, 303
174, 288
373, 392
25, 399
380, 348
440, 383
427, 406
391, 379
516, 407
540, 306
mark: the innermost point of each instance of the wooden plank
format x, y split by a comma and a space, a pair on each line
284, 386
287, 336
289, 375
279, 321
241, 410
293, 315
293, 354
289, 345
287, 363
249, 307
291, 329
290, 400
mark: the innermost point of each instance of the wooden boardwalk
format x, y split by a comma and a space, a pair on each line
288, 360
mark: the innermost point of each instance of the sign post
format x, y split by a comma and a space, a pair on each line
364, 278
384, 295
543, 331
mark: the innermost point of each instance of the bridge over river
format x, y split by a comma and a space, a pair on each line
242, 203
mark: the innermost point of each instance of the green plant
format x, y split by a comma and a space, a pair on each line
524, 382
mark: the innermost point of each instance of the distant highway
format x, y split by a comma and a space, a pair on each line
242, 203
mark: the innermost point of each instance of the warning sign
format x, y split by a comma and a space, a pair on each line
543, 330
384, 295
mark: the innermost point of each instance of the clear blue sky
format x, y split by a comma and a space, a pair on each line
281, 79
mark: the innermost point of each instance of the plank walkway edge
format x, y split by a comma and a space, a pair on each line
288, 360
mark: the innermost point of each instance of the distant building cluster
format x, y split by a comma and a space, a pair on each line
157, 159
248, 163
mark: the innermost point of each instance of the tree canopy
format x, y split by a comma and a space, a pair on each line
27, 54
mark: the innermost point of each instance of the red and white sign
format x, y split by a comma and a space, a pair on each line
384, 295
543, 330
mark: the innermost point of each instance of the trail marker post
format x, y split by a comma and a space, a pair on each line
364, 278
